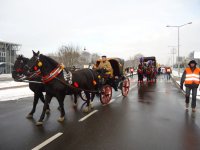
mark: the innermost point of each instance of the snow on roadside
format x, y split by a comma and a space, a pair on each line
6, 76
7, 84
15, 93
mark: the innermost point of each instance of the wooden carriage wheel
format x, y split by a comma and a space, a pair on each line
106, 94
125, 87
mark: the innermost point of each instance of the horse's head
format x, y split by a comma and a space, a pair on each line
34, 63
42, 62
18, 69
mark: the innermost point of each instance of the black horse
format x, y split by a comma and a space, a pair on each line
56, 85
18, 74
35, 82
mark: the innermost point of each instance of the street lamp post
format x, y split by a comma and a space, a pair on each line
178, 27
173, 51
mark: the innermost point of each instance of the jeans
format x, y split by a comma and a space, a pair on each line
194, 94
168, 76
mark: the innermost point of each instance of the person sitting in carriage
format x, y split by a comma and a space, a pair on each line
105, 64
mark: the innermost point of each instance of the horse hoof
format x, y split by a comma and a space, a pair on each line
48, 111
91, 106
86, 109
39, 123
74, 105
29, 116
61, 119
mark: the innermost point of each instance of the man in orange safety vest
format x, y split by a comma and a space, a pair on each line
191, 79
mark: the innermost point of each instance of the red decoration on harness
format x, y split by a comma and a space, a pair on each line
94, 82
76, 84
35, 68
19, 70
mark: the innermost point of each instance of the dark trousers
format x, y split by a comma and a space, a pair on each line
140, 77
194, 94
168, 76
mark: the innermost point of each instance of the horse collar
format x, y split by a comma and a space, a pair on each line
53, 74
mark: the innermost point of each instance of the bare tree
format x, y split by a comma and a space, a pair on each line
54, 56
69, 55
94, 58
191, 55
133, 61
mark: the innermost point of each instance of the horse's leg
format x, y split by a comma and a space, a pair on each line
61, 104
48, 98
75, 100
87, 108
149, 78
92, 98
42, 99
35, 101
141, 80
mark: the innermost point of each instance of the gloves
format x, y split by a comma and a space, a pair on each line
181, 87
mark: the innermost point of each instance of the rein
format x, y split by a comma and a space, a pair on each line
77, 88
35, 74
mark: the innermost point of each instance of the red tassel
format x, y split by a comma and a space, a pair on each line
35, 68
76, 84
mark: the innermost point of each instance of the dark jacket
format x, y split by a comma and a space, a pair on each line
188, 85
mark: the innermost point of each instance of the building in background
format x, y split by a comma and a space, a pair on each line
8, 53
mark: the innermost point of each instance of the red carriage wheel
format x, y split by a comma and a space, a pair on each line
106, 94
125, 87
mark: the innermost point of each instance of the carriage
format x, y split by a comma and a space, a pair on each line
150, 70
58, 84
119, 80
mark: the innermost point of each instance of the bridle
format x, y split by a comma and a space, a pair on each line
35, 62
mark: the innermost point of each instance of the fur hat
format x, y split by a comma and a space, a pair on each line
192, 62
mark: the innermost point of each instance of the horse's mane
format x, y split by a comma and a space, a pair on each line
49, 60
25, 59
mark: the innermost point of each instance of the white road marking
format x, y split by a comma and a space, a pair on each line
47, 141
87, 116
119, 95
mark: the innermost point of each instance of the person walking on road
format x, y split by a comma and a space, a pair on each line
191, 79
168, 73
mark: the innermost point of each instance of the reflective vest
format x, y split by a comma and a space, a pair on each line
131, 70
192, 77
168, 70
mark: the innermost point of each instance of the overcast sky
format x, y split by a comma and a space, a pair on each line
118, 28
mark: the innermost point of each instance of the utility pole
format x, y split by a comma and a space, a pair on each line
173, 52
178, 27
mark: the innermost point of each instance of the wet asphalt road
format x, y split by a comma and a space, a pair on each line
152, 117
